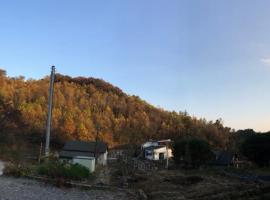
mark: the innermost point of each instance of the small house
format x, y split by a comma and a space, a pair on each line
157, 153
157, 150
222, 158
80, 151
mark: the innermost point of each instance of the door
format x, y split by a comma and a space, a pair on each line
161, 156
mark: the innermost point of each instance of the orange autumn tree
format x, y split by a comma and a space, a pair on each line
83, 104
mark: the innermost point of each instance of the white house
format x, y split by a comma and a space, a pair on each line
157, 150
157, 153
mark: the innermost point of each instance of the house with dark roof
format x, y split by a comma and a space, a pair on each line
91, 149
222, 158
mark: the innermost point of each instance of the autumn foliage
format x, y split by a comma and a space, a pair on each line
83, 106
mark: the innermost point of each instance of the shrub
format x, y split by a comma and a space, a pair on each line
61, 170
179, 150
192, 151
78, 172
16, 170
257, 149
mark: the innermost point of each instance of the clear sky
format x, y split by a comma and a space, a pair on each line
208, 57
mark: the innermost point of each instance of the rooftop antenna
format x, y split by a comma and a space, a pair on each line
49, 119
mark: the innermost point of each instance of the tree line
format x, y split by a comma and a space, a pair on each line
84, 106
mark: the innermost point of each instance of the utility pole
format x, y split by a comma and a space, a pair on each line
167, 152
96, 143
49, 119
167, 159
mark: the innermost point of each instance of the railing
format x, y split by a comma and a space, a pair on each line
135, 163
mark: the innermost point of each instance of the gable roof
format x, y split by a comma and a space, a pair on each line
151, 148
82, 146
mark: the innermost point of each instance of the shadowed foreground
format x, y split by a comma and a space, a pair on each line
13, 189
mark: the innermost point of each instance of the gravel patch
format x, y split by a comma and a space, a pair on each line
13, 189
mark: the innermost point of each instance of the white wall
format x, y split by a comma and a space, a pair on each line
88, 162
1, 167
102, 159
154, 154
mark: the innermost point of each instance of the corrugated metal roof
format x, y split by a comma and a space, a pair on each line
72, 154
81, 146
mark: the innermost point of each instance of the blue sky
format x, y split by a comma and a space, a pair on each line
210, 58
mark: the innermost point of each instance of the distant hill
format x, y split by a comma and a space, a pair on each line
83, 106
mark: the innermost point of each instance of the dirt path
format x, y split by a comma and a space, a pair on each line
103, 176
13, 189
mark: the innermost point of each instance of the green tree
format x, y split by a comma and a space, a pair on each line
257, 149
192, 151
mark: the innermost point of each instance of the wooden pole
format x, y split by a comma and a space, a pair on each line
167, 159
40, 152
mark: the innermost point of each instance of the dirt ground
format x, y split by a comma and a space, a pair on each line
156, 184
205, 184
175, 184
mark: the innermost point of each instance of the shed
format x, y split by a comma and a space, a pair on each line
75, 149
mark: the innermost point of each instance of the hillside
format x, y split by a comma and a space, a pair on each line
84, 105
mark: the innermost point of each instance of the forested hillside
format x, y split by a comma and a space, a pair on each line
84, 105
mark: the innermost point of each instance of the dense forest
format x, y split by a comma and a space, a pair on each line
84, 106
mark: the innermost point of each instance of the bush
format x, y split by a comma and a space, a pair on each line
78, 171
257, 149
192, 151
179, 150
61, 170
16, 170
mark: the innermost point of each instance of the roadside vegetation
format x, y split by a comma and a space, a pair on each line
54, 170
57, 169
